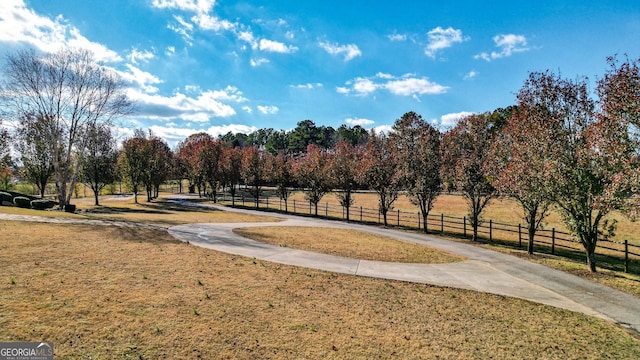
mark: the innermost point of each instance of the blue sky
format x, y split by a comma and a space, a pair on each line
227, 65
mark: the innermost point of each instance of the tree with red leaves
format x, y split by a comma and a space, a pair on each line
343, 170
281, 175
380, 171
231, 164
311, 171
516, 165
465, 149
586, 153
253, 170
419, 149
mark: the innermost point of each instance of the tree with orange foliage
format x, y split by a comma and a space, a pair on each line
380, 171
312, 173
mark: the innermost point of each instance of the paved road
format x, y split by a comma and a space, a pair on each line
485, 270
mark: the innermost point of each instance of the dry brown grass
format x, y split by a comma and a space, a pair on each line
160, 212
501, 210
107, 292
348, 243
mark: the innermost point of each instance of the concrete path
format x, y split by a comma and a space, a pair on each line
485, 270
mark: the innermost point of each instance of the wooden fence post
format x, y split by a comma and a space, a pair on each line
419, 221
490, 230
553, 241
626, 256
294, 206
519, 235
442, 223
360, 213
326, 209
398, 217
464, 225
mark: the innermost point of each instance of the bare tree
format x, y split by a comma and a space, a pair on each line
67, 92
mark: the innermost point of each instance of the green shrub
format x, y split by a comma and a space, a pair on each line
23, 202
5, 196
42, 204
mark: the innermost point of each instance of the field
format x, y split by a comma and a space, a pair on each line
108, 292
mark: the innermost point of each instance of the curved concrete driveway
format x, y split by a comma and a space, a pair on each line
485, 270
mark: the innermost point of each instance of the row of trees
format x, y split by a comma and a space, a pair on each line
557, 148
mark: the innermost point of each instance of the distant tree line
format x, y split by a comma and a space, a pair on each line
557, 148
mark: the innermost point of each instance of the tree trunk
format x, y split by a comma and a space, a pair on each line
475, 227
95, 193
425, 217
532, 234
591, 261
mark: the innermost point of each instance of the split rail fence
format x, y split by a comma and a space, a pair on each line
546, 240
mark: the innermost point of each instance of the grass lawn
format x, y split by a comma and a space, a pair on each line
348, 243
107, 292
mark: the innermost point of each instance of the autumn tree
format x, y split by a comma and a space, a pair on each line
618, 129
158, 167
312, 173
379, 170
101, 157
465, 150
66, 92
231, 165
133, 163
253, 170
344, 163
418, 146
281, 175
588, 152
190, 152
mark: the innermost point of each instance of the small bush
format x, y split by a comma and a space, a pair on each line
42, 204
23, 202
5, 196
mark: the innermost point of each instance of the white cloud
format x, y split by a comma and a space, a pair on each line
258, 62
397, 37
359, 121
383, 129
20, 25
382, 75
136, 55
248, 37
406, 85
208, 22
200, 108
197, 6
306, 86
171, 50
268, 109
350, 51
183, 28
451, 120
471, 75
507, 45
276, 46
140, 79
248, 109
414, 86
440, 38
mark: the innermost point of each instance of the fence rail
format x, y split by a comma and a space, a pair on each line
545, 240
